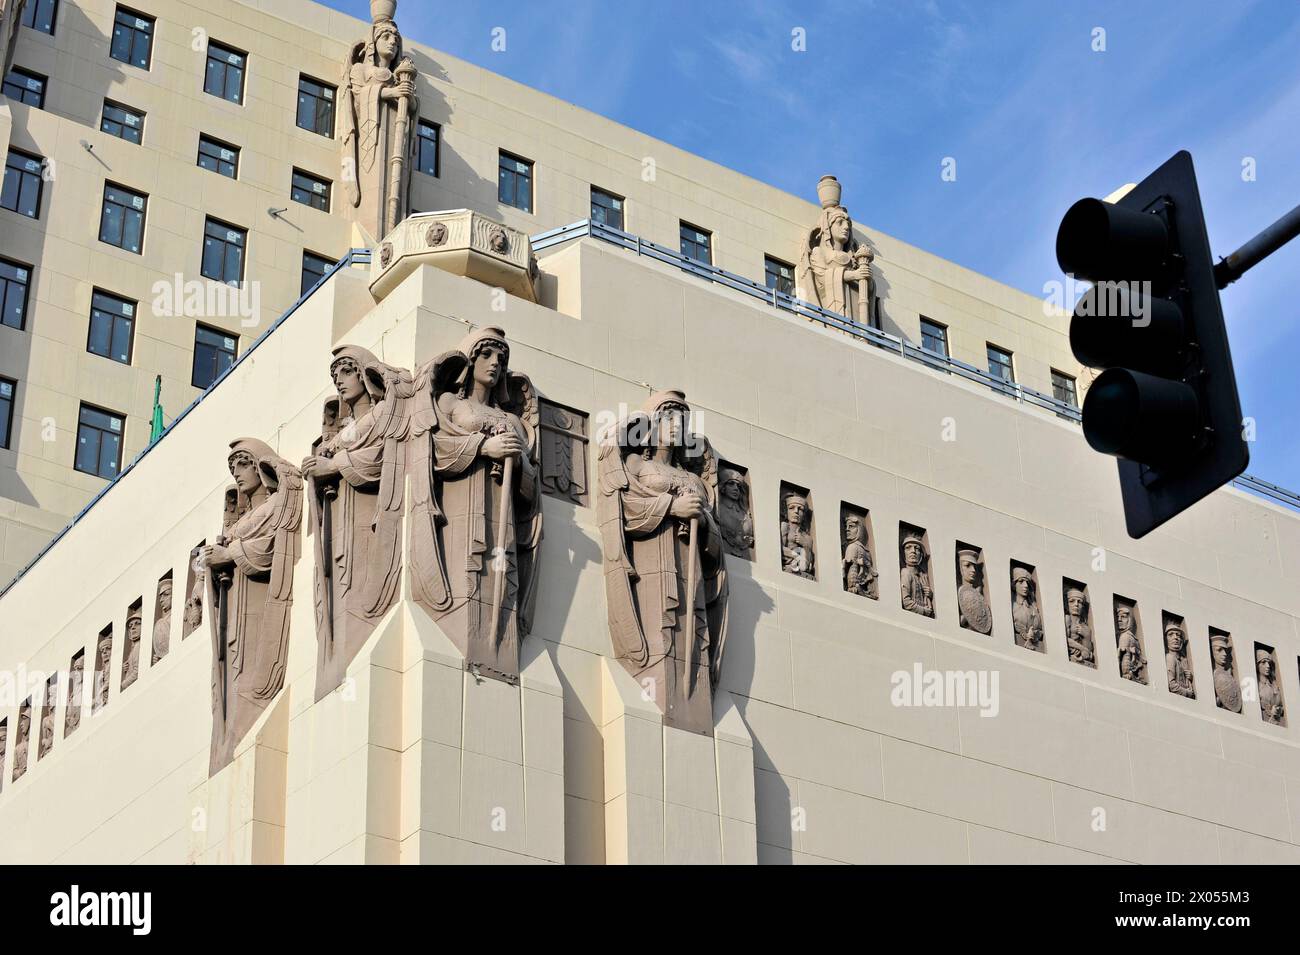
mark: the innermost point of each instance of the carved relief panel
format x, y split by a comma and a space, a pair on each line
22, 739
1178, 664
193, 610
162, 619
1128, 640
1271, 706
798, 540
131, 651
1227, 684
861, 576
103, 655
1079, 643
564, 452
1026, 608
45, 741
916, 584
973, 610
736, 510
76, 692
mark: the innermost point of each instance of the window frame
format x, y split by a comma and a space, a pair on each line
682, 226
306, 254
28, 75
942, 336
121, 435
204, 138
115, 317
209, 57
1073, 382
503, 155
216, 332
313, 180
135, 29
25, 284
770, 260
7, 415
32, 7
40, 181
129, 111
615, 198
332, 99
242, 246
421, 141
989, 351
142, 211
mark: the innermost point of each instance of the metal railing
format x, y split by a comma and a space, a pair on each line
866, 333
354, 257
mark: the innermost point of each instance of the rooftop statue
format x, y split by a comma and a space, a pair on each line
834, 271
377, 112
665, 565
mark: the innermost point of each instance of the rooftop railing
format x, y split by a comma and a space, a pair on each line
865, 333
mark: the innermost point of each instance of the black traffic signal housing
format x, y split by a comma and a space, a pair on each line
1166, 403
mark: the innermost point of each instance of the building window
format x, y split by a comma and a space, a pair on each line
218, 157
314, 268
8, 391
99, 442
39, 15
23, 86
223, 252
779, 275
934, 337
310, 190
214, 352
606, 208
1000, 364
515, 182
696, 243
132, 38
14, 281
122, 223
112, 320
316, 107
224, 76
122, 122
428, 135
1063, 389
21, 192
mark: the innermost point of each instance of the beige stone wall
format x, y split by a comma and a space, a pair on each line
812, 762
480, 113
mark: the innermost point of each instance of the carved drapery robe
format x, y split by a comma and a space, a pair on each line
1078, 641
1132, 665
1270, 702
1180, 674
1027, 621
859, 573
918, 596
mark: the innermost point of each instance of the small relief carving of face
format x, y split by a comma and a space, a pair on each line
1074, 602
1174, 641
670, 427
1265, 667
244, 470
852, 527
165, 597
969, 571
795, 509
1022, 587
489, 366
731, 490
24, 726
1123, 618
386, 44
498, 242
1222, 655
133, 630
105, 653
912, 553
347, 380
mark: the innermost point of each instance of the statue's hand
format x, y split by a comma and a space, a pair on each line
319, 467
860, 274
686, 506
215, 555
502, 446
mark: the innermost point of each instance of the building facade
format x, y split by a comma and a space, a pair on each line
940, 645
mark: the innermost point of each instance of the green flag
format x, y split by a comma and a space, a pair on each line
156, 431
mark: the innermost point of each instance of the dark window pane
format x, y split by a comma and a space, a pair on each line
427, 159
218, 157
7, 390
515, 182
39, 15
314, 268
606, 208
214, 353
21, 191
14, 280
934, 337
315, 107
310, 191
779, 275
99, 443
223, 252
122, 122
24, 87
132, 39
1000, 364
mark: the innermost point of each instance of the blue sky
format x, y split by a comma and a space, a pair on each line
1014, 91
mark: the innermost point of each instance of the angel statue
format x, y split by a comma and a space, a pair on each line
485, 463
665, 568
834, 271
378, 101
249, 574
356, 477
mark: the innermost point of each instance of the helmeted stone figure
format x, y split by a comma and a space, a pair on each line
1177, 667
131, 650
485, 463
162, 625
76, 690
249, 572
1132, 663
733, 513
22, 739
377, 112
972, 605
860, 575
46, 740
665, 566
1078, 634
103, 656
834, 271
1270, 690
1227, 691
1026, 617
356, 478
798, 550
914, 576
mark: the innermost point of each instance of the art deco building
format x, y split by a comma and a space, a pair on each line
533, 491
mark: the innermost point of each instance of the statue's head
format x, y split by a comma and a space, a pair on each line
913, 550
1022, 582
796, 509
134, 624
968, 561
731, 483
25, 720
165, 596
852, 527
105, 652
1264, 664
1221, 650
835, 228
385, 46
1174, 637
669, 415
1123, 617
355, 373
1075, 602
488, 354
252, 464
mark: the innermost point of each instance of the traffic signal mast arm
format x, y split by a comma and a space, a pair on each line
1263, 245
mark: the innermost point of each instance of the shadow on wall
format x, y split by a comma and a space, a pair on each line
456, 185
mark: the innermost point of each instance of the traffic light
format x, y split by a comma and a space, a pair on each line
1166, 402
